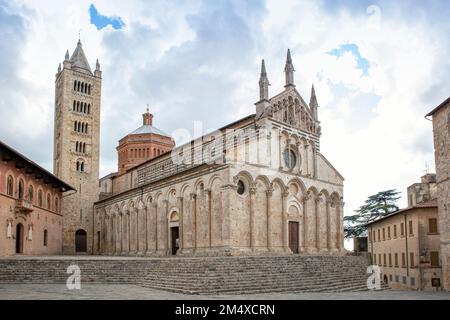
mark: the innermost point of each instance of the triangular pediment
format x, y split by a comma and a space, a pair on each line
289, 107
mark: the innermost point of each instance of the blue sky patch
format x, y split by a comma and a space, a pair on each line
362, 63
101, 21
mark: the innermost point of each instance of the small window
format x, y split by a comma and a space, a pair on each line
390, 277
410, 228
40, 198
395, 231
45, 238
389, 232
384, 234
240, 187
402, 229
30, 193
403, 259
396, 259
411, 259
390, 261
379, 237
397, 278
49, 202
404, 280
10, 186
434, 257
432, 225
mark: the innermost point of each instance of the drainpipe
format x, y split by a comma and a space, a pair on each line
406, 245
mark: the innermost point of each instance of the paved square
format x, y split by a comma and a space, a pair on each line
134, 292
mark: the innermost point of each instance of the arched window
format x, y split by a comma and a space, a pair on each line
86, 128
75, 85
45, 238
84, 107
78, 166
75, 126
76, 146
30, 193
74, 105
20, 193
89, 89
56, 204
84, 147
10, 186
89, 108
40, 198
82, 167
49, 201
78, 85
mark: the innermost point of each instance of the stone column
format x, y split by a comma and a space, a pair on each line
228, 191
284, 232
147, 213
328, 203
181, 228
208, 196
306, 159
317, 226
137, 230
280, 163
128, 213
252, 191
269, 193
194, 220
339, 210
305, 222
121, 233
155, 228
166, 226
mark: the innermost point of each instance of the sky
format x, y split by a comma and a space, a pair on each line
377, 66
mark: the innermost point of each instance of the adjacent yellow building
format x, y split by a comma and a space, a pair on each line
405, 244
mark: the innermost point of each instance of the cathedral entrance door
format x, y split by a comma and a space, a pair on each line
293, 236
174, 232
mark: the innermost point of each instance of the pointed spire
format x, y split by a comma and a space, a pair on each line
97, 65
67, 55
59, 68
79, 60
263, 83
313, 102
289, 70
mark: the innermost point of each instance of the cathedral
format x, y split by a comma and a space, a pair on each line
259, 185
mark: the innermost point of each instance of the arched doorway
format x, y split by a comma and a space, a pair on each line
174, 232
80, 241
19, 238
385, 279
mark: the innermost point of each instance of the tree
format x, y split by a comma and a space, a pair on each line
376, 206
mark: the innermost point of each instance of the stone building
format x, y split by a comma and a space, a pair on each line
441, 132
259, 185
30, 206
76, 145
405, 244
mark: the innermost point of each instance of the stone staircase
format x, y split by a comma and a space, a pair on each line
200, 275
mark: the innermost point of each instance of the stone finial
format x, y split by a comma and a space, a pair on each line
59, 68
313, 102
67, 55
97, 65
263, 83
289, 70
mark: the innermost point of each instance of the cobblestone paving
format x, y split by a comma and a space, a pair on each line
122, 292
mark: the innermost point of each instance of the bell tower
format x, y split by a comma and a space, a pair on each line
76, 146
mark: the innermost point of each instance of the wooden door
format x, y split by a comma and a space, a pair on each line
80, 241
293, 236
19, 238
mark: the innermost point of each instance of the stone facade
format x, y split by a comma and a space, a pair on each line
145, 143
30, 206
257, 186
441, 132
76, 145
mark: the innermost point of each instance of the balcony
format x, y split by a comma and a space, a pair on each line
24, 205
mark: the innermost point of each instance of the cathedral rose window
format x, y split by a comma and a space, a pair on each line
290, 159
